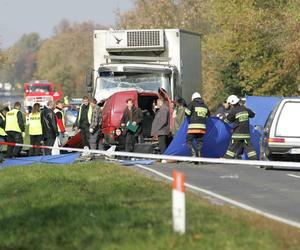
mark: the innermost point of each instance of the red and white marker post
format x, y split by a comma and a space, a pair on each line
178, 202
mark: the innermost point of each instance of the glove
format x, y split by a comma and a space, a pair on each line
91, 130
23, 135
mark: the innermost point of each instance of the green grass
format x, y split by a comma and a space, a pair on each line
104, 206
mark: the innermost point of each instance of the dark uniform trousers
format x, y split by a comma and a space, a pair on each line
35, 140
163, 141
16, 137
85, 136
49, 142
235, 148
130, 139
195, 148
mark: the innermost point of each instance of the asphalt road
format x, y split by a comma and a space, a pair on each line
276, 192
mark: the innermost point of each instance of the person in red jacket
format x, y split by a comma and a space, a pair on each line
60, 120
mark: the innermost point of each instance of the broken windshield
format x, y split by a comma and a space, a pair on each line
111, 82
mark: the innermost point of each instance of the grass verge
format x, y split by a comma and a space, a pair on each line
104, 206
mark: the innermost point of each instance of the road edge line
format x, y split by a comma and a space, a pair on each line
227, 200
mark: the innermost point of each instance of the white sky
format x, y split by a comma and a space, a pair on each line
24, 16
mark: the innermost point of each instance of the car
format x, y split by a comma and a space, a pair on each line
281, 134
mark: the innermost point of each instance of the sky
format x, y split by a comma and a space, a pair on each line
18, 17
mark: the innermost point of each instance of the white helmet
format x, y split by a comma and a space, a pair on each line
233, 99
196, 95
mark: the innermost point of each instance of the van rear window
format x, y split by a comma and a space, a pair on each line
288, 124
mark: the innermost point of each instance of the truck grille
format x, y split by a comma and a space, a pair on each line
143, 38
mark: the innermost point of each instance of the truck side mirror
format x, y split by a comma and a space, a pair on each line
89, 80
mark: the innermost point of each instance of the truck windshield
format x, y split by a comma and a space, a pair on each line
110, 83
39, 89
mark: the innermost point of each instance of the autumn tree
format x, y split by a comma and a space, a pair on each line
249, 46
21, 59
65, 57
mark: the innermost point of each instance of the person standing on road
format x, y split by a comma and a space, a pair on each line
131, 121
49, 126
15, 130
83, 121
161, 125
60, 119
197, 112
3, 135
95, 125
35, 129
179, 115
240, 138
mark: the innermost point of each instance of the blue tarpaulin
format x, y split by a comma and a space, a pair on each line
49, 159
216, 140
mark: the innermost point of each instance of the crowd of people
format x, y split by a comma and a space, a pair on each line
47, 124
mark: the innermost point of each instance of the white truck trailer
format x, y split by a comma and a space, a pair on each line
146, 60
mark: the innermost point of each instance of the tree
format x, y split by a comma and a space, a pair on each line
21, 59
249, 47
65, 57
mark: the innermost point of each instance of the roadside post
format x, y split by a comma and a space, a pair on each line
178, 202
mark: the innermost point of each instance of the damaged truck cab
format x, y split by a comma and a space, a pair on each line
137, 64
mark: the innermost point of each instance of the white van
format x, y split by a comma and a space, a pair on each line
281, 134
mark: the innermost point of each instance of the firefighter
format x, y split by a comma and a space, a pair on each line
83, 121
35, 129
240, 138
49, 126
3, 135
198, 112
60, 119
15, 130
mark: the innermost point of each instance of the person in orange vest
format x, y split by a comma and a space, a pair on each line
60, 119
15, 129
35, 129
3, 135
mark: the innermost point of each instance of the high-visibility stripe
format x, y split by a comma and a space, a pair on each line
178, 181
197, 125
252, 153
230, 153
240, 136
187, 111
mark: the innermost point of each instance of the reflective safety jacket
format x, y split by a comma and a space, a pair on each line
2, 125
198, 113
240, 116
14, 121
35, 124
60, 119
81, 120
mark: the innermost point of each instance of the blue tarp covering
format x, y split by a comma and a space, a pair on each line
218, 134
50, 159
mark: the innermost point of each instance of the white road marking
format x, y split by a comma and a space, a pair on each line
228, 200
293, 175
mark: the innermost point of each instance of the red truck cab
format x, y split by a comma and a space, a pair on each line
115, 105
